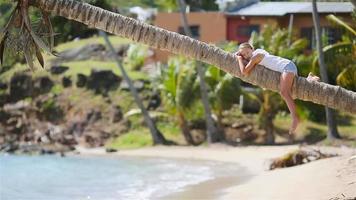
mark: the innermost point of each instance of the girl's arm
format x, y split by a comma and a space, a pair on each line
246, 69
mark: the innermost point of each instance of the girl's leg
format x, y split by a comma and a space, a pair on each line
286, 83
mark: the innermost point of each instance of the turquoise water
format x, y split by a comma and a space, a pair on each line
101, 178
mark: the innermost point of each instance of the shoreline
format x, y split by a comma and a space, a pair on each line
322, 179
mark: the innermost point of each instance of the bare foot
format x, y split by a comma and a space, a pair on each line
312, 77
295, 123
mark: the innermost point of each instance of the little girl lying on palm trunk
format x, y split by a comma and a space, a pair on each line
248, 58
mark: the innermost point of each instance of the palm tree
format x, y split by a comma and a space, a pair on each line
330, 113
179, 91
340, 57
212, 131
224, 92
317, 92
157, 136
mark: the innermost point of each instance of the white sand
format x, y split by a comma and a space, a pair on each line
323, 179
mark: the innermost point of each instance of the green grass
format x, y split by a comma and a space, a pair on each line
140, 136
85, 67
134, 139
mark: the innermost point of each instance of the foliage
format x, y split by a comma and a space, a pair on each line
337, 57
136, 56
140, 137
179, 88
224, 90
347, 78
341, 23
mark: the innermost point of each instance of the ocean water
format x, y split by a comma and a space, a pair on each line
102, 178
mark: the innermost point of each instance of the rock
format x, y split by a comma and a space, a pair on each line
81, 80
58, 69
66, 82
77, 127
42, 85
116, 114
110, 150
238, 125
48, 108
154, 101
44, 139
81, 53
20, 105
9, 147
101, 81
138, 84
21, 86
94, 138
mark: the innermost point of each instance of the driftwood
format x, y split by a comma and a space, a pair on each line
298, 157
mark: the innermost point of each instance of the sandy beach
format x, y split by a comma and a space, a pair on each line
331, 178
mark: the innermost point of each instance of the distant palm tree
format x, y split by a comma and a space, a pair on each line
224, 92
320, 93
212, 131
179, 91
340, 57
157, 136
330, 113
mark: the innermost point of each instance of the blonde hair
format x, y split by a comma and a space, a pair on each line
245, 45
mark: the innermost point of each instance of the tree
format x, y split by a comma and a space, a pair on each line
224, 91
317, 92
330, 113
340, 57
179, 91
157, 136
212, 131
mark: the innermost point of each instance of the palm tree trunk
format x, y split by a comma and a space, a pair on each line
317, 92
185, 128
212, 131
265, 118
330, 113
157, 136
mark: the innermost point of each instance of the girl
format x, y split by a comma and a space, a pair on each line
248, 58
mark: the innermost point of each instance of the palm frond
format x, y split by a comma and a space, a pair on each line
341, 23
347, 78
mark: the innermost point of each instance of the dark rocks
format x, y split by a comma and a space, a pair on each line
101, 81
21, 86
56, 70
94, 138
66, 82
42, 85
116, 114
110, 150
81, 80
48, 109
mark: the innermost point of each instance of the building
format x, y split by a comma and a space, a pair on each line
239, 21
